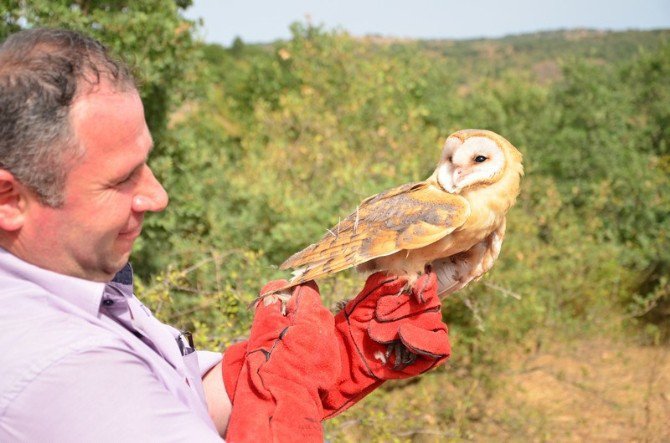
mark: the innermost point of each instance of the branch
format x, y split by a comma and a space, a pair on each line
503, 291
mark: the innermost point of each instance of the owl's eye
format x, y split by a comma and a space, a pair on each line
480, 159
450, 158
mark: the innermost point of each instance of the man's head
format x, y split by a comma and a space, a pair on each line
42, 72
74, 184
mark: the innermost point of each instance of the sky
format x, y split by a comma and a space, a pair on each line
262, 21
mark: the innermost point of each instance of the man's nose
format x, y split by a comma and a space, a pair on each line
150, 196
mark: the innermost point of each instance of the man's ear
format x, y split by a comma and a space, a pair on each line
12, 202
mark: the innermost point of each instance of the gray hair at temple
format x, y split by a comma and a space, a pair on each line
42, 72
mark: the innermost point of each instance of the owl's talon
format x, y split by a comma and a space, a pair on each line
403, 356
269, 299
341, 304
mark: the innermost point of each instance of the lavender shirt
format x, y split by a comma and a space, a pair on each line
86, 361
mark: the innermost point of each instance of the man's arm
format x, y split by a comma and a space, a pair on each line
101, 394
218, 403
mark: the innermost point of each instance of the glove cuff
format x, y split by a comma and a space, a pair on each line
231, 366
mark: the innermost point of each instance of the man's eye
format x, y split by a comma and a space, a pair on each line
124, 180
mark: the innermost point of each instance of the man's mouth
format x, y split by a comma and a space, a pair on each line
131, 233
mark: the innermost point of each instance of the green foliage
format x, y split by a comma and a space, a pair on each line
148, 34
312, 125
264, 147
158, 44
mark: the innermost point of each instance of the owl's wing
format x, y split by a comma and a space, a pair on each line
455, 272
407, 217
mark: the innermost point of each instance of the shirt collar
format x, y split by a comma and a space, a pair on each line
84, 294
122, 282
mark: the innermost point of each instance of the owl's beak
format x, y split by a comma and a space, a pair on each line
456, 176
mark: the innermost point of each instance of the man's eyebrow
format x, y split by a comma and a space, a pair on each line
127, 176
146, 157
139, 165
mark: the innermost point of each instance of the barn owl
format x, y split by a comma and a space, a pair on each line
454, 221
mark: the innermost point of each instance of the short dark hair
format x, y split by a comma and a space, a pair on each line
42, 71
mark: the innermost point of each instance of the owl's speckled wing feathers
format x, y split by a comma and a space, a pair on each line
403, 218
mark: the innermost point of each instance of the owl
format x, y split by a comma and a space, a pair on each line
452, 222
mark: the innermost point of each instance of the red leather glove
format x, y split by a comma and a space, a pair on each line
384, 334
285, 365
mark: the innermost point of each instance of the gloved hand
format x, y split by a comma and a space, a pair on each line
386, 335
275, 379
382, 334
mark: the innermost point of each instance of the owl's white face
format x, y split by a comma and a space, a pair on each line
477, 159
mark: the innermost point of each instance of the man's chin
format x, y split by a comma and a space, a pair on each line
111, 267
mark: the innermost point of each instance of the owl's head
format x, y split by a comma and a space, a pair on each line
472, 157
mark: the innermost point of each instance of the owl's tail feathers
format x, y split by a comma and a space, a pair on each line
452, 275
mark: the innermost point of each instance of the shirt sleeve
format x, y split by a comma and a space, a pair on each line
207, 360
102, 394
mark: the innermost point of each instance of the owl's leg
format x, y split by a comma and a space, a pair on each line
415, 285
412, 278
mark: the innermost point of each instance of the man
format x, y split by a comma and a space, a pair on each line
83, 359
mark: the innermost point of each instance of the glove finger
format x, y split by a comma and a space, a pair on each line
392, 308
425, 288
384, 332
308, 349
379, 279
306, 355
305, 308
273, 285
269, 322
377, 285
304, 299
434, 344
421, 365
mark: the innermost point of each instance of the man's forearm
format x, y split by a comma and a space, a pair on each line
218, 403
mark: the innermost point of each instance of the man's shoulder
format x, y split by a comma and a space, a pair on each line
37, 334
29, 312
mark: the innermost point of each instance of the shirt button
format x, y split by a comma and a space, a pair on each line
108, 302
